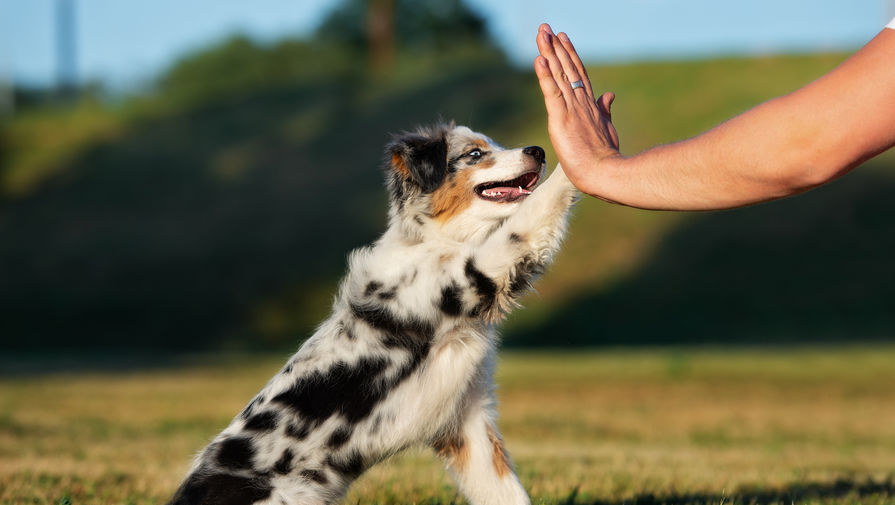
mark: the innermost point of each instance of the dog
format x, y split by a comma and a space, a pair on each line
407, 356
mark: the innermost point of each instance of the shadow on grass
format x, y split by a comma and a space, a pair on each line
850, 490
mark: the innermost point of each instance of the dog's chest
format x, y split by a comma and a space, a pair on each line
434, 398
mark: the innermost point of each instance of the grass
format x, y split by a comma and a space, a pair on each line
804, 426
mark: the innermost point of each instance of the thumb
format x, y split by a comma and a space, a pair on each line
605, 103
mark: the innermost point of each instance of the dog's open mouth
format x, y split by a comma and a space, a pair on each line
508, 191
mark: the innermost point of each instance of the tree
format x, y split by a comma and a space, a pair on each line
381, 27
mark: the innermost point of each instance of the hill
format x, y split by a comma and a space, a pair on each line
223, 219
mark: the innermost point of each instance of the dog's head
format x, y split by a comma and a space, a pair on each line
458, 181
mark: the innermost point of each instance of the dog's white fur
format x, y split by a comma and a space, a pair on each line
407, 356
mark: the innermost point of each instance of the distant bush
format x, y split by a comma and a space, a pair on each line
240, 65
419, 25
429, 37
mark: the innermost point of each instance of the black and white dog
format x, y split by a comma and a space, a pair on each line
407, 356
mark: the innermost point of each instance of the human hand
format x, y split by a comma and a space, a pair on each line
580, 125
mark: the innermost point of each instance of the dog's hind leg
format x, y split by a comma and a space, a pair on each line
479, 463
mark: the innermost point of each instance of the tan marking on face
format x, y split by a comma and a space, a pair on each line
499, 457
444, 258
453, 197
454, 450
486, 162
399, 166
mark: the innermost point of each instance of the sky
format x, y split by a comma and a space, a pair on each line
124, 43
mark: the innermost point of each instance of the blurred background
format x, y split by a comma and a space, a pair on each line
181, 182
191, 175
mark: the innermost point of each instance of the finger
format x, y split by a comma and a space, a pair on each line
546, 48
553, 95
568, 68
605, 104
545, 28
573, 55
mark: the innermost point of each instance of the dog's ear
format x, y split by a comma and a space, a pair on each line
419, 158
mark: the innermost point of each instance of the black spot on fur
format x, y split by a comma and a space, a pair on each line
339, 437
236, 453
351, 390
352, 466
412, 343
221, 489
452, 164
247, 412
515, 238
314, 475
518, 285
524, 273
284, 465
484, 287
412, 335
418, 220
451, 302
372, 287
388, 295
383, 319
288, 369
298, 431
377, 422
263, 421
396, 184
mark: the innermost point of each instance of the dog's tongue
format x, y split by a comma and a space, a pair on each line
506, 193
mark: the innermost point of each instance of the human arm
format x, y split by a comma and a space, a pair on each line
779, 148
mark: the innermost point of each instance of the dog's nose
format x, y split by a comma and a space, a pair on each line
535, 152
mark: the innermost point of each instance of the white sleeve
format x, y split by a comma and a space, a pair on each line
891, 24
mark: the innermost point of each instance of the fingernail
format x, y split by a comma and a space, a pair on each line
563, 36
549, 30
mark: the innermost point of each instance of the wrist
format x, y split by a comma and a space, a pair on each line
599, 177
608, 180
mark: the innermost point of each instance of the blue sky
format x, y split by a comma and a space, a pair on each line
126, 42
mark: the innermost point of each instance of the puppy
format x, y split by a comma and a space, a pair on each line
407, 356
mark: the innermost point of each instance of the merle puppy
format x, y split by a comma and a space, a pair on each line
407, 356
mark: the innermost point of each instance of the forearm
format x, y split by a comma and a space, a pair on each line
782, 147
749, 159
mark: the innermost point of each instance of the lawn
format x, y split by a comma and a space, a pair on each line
787, 426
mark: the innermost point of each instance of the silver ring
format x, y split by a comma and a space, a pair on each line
577, 84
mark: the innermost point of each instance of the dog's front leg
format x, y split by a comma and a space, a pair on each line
521, 248
479, 463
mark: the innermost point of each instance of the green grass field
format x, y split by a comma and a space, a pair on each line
611, 427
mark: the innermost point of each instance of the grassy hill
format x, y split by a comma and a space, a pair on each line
222, 219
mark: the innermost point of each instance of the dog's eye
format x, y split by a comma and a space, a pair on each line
475, 154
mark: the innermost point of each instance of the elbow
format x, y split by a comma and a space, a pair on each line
803, 178
802, 173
